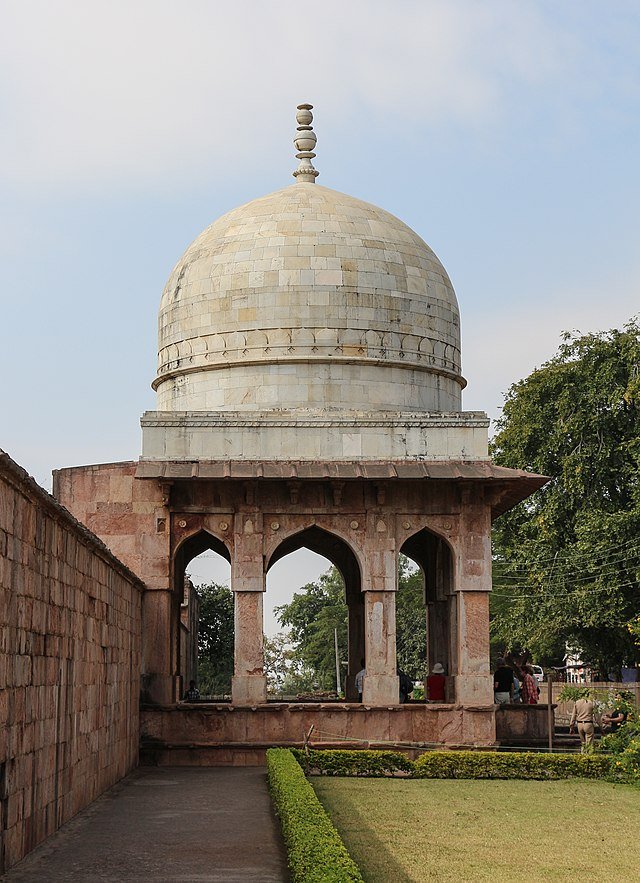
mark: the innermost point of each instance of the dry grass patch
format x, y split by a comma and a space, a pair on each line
406, 830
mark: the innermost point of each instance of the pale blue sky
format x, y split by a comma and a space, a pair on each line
505, 133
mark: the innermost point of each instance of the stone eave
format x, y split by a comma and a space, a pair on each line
507, 487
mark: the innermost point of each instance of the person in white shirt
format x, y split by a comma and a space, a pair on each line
360, 680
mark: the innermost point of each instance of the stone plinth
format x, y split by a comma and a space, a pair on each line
522, 724
173, 732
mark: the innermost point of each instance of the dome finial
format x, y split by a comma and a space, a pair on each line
305, 142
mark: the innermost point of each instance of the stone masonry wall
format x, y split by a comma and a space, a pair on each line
70, 633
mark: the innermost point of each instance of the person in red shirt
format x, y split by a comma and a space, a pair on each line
436, 683
528, 687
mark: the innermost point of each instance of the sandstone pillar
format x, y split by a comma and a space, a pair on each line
473, 685
159, 682
381, 684
356, 645
248, 684
380, 580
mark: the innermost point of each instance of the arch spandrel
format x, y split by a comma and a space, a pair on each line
273, 540
198, 540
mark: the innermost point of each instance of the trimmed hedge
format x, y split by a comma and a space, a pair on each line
457, 764
510, 765
315, 852
353, 763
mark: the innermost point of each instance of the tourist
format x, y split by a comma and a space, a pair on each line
582, 718
406, 685
436, 684
192, 693
613, 720
515, 698
529, 687
503, 683
360, 679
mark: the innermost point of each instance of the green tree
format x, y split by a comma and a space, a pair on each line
311, 617
411, 621
215, 639
320, 607
286, 674
567, 560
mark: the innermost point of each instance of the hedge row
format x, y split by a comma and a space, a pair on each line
457, 764
353, 763
510, 765
315, 852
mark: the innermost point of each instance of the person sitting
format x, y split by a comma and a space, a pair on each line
192, 693
436, 684
614, 719
406, 685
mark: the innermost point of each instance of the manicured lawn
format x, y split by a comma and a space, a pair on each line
400, 830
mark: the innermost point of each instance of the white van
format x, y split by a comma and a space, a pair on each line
538, 673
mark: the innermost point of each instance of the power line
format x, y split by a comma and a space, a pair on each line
561, 555
612, 573
575, 594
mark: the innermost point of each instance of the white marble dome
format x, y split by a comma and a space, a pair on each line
309, 300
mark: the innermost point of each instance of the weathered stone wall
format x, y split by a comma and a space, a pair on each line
70, 621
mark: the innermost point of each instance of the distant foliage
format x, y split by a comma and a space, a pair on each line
286, 674
215, 639
319, 608
411, 622
315, 611
567, 560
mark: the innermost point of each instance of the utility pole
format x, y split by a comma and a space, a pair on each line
338, 687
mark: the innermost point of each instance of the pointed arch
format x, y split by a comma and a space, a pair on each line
433, 554
339, 552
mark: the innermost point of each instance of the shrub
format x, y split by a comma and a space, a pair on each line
616, 743
627, 765
354, 763
623, 748
509, 765
571, 693
315, 852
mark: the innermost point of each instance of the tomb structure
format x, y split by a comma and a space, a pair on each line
309, 395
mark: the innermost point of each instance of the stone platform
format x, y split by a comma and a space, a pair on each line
224, 734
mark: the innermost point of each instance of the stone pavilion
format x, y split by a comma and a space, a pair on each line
309, 393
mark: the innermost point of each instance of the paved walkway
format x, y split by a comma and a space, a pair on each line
168, 824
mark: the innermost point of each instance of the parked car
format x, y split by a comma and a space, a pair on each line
538, 673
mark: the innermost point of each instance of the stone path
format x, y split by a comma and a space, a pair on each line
168, 824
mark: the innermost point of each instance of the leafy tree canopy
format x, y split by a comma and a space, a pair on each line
567, 561
286, 674
319, 608
215, 639
311, 617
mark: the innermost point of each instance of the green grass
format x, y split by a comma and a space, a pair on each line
405, 830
